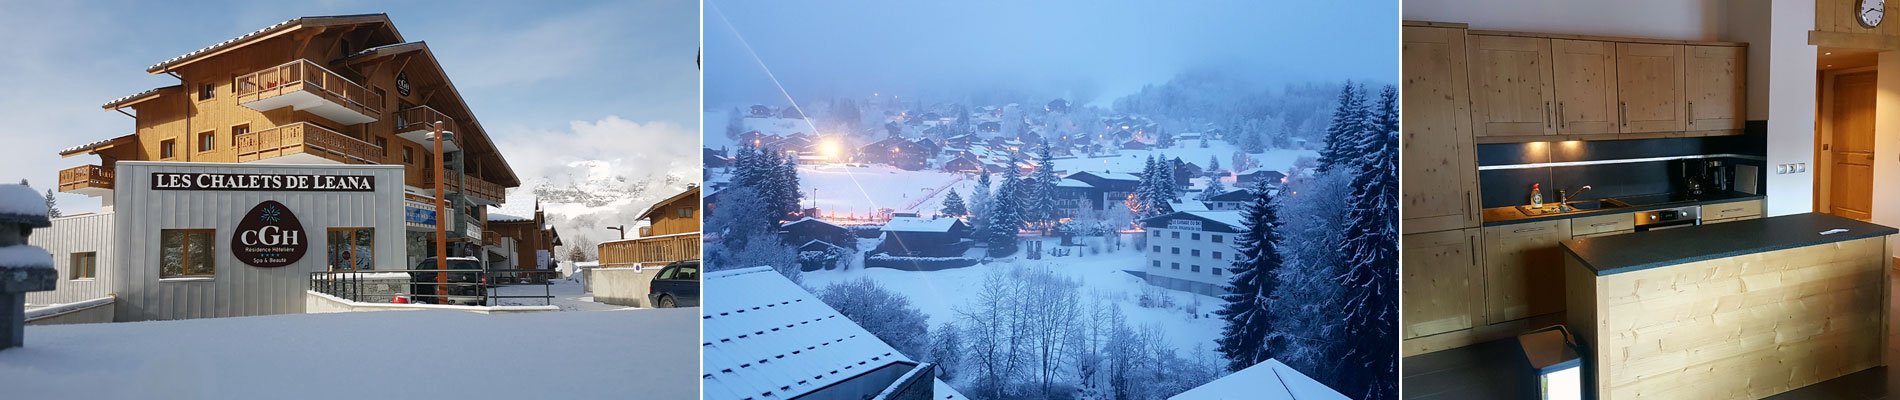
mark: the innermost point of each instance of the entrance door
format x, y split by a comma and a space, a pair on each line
1852, 173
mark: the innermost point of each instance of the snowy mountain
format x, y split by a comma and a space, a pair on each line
583, 198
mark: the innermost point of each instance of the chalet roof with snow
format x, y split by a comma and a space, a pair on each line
915, 224
778, 341
518, 206
1211, 221
1236, 195
818, 245
810, 220
1268, 380
1187, 205
1112, 176
1071, 183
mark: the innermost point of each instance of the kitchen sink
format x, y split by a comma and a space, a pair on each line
1575, 206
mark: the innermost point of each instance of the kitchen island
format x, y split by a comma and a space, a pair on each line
1744, 309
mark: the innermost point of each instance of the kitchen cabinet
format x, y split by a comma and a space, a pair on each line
1726, 212
1650, 87
1511, 86
1602, 225
1441, 168
1714, 82
1442, 282
1523, 269
1584, 73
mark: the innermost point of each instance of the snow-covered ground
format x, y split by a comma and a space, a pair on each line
846, 190
1131, 161
569, 294
399, 354
939, 293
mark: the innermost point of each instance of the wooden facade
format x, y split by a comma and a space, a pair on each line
311, 90
672, 234
532, 234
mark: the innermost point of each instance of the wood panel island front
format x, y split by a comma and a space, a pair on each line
1744, 309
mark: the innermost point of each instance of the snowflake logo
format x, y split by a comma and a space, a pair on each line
270, 214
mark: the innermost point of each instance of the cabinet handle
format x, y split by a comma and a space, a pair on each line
1527, 230
1731, 210
1548, 114
1604, 224
1474, 251
1562, 122
1623, 111
1690, 115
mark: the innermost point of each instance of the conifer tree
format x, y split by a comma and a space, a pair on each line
1005, 213
1371, 279
1244, 339
953, 205
1342, 145
980, 204
1214, 188
52, 205
1041, 198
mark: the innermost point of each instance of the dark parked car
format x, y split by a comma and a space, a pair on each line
677, 285
464, 288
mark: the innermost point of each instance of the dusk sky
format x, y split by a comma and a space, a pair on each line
551, 81
1108, 48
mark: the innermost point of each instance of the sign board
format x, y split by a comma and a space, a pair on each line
402, 83
263, 182
269, 236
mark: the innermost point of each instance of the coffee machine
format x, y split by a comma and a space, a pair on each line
1696, 177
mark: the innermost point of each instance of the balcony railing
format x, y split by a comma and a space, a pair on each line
306, 142
478, 189
650, 251
308, 86
90, 180
417, 119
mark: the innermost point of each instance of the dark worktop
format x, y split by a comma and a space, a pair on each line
1510, 215
1610, 255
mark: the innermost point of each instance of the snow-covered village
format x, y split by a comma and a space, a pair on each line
1207, 234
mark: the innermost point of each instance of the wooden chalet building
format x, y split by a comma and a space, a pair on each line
672, 235
1099, 189
521, 235
1249, 177
925, 237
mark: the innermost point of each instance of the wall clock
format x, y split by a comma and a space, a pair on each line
1870, 12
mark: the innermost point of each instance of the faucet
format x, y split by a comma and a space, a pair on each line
1563, 200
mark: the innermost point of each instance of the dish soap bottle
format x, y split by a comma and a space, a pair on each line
1537, 195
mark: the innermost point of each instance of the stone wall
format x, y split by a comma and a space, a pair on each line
621, 286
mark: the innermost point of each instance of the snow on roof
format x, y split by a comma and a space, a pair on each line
1113, 176
118, 101
24, 256
95, 144
1231, 218
915, 224
1251, 171
1188, 205
518, 206
1066, 182
810, 219
778, 340
20, 204
1268, 380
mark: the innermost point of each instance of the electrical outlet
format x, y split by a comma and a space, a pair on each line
1781, 169
1800, 167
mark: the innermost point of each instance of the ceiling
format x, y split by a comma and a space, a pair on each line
1838, 58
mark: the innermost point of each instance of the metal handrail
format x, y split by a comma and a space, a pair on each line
348, 285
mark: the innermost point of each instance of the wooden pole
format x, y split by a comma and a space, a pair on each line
441, 217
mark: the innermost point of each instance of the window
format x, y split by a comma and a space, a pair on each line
1194, 268
352, 249
207, 140
84, 265
186, 253
1175, 265
167, 148
686, 212
1216, 270
1155, 233
383, 146
1175, 250
1194, 253
1155, 263
1174, 235
1217, 255
1217, 238
1157, 249
408, 155
1196, 236
239, 129
207, 90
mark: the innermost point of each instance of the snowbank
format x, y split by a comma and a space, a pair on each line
57, 309
24, 256
22, 200
420, 354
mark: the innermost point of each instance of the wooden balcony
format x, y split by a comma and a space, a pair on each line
90, 180
307, 86
650, 251
480, 191
413, 124
305, 143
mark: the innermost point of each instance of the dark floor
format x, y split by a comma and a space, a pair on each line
1496, 370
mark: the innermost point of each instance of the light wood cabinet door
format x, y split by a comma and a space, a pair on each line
1650, 87
1523, 269
1585, 86
1442, 282
1510, 86
1440, 163
1715, 80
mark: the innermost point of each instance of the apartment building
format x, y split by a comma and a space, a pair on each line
1191, 250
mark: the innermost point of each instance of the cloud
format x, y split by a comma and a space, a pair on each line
656, 148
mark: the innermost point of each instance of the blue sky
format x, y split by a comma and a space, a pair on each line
1110, 47
552, 81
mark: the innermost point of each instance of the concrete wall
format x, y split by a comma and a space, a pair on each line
1188, 245
76, 234
1781, 64
239, 289
99, 311
621, 286
319, 303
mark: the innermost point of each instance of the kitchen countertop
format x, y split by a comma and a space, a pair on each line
1510, 215
1610, 255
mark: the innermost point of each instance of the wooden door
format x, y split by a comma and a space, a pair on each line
1649, 87
1852, 173
1441, 282
1585, 86
1510, 86
1714, 81
1440, 163
1523, 269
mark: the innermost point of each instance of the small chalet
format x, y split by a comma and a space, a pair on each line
1232, 200
1249, 177
1136, 144
811, 229
989, 127
715, 158
925, 237
1101, 188
898, 152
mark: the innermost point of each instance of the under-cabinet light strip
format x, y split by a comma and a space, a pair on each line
1616, 161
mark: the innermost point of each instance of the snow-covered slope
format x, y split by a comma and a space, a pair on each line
583, 198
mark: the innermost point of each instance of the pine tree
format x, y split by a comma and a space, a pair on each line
1244, 340
1155, 190
980, 205
1348, 121
1214, 188
52, 205
1371, 279
785, 181
1213, 163
1042, 189
953, 205
1006, 213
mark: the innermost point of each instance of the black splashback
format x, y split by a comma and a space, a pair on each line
1508, 181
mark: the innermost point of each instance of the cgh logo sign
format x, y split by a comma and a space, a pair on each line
269, 236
